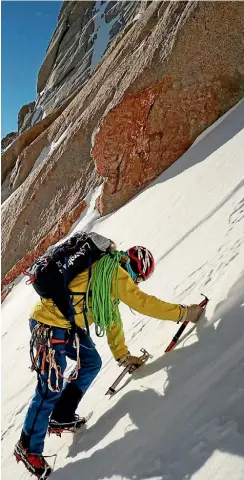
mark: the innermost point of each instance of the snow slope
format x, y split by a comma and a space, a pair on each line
182, 415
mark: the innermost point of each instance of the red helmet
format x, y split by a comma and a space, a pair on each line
142, 261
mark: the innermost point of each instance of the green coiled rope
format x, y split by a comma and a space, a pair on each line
105, 311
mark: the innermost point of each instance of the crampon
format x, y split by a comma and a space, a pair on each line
34, 462
72, 427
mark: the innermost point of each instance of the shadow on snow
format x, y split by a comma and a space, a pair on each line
171, 436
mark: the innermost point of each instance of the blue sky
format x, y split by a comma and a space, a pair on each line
27, 28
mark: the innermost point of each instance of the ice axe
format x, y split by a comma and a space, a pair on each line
184, 325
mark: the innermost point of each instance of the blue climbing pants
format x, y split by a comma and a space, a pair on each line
44, 400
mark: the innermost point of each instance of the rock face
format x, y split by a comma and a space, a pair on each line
171, 71
148, 130
83, 33
24, 115
19, 158
6, 141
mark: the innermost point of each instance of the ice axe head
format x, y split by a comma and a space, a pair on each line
204, 302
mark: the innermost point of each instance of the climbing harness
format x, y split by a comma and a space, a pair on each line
44, 360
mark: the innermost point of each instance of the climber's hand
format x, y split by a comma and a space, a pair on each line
129, 360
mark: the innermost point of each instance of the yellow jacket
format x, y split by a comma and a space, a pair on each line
45, 311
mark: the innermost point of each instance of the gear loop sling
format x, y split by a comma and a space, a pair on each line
42, 341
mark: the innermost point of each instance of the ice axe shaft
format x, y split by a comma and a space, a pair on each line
112, 390
184, 325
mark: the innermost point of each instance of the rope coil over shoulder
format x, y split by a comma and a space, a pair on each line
104, 309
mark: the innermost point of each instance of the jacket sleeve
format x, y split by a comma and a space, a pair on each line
131, 295
117, 345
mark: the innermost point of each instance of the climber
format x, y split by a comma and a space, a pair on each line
53, 405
